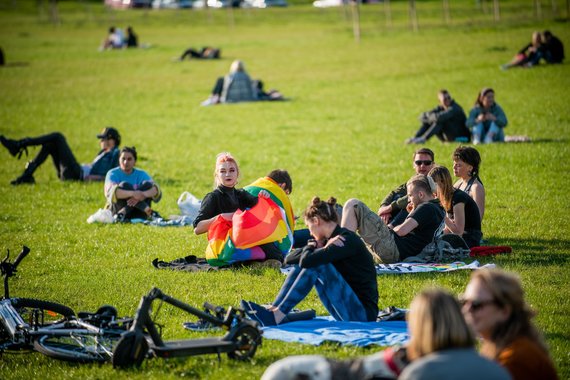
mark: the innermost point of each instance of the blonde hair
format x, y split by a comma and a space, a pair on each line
436, 323
445, 189
220, 159
236, 66
507, 292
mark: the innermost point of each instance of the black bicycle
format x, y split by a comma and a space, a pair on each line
52, 328
144, 338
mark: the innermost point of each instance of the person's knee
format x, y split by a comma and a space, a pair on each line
125, 186
146, 185
350, 204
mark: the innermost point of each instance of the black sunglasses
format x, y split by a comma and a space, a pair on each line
425, 162
475, 305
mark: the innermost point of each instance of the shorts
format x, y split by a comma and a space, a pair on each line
377, 236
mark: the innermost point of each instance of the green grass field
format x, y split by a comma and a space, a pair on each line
352, 106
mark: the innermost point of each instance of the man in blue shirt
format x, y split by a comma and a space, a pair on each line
130, 191
66, 166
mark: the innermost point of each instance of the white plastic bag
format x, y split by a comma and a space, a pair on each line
189, 205
101, 216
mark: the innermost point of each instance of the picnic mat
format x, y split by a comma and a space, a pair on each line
326, 329
400, 268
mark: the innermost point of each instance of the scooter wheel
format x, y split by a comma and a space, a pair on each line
247, 339
130, 351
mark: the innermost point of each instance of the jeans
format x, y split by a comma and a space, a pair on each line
482, 130
334, 292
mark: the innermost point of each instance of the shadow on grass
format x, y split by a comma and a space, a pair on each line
537, 251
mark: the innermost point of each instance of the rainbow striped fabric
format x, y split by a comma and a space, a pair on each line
270, 220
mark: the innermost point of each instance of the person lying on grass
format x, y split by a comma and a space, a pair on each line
337, 264
129, 190
226, 199
66, 166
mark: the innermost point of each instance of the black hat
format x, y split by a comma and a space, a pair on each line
110, 133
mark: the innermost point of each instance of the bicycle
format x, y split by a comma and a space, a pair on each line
144, 338
52, 328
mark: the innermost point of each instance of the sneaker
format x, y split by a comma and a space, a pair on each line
12, 146
29, 179
119, 218
258, 313
154, 215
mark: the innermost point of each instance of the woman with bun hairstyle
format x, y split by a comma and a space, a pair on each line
466, 162
336, 263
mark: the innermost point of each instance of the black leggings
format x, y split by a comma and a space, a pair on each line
136, 211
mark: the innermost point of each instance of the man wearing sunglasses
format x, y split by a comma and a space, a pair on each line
446, 121
397, 200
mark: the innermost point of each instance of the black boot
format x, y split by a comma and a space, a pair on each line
27, 176
15, 147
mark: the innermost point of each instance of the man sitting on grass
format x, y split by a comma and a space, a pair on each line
390, 245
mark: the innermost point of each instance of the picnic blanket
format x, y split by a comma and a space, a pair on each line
271, 220
401, 268
326, 329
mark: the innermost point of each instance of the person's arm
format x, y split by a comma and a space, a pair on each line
203, 225
449, 113
457, 224
471, 120
405, 228
478, 194
500, 117
328, 254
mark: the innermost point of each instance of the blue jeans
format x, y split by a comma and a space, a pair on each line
481, 130
334, 292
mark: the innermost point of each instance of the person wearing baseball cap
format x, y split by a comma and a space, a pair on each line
67, 167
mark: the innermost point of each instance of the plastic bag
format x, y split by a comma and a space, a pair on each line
189, 205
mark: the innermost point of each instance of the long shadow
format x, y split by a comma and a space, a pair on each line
537, 251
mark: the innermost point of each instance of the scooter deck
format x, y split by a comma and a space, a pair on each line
176, 348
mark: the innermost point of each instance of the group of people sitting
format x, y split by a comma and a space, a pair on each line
117, 40
543, 46
447, 121
337, 253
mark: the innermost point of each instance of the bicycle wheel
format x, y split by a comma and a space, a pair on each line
247, 338
39, 313
81, 346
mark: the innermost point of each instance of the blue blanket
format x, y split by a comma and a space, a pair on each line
326, 329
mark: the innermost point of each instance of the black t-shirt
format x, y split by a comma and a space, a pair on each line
472, 230
224, 199
429, 216
352, 261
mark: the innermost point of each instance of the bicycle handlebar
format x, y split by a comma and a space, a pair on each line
21, 256
216, 309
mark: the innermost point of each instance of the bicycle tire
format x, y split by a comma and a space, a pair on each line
80, 347
51, 311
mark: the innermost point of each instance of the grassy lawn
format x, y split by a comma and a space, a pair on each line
352, 106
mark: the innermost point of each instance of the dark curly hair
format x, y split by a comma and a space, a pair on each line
470, 156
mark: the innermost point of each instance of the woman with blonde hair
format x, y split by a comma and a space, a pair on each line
463, 216
441, 344
494, 306
441, 347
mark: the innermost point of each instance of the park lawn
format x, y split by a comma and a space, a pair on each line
341, 134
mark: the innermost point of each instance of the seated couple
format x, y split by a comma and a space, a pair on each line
338, 263
237, 87
220, 209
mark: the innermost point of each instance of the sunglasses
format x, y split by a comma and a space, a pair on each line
475, 305
424, 162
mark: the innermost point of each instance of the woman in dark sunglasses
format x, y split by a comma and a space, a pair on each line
494, 306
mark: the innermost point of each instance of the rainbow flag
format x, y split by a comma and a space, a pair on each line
271, 220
